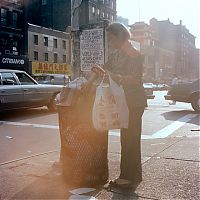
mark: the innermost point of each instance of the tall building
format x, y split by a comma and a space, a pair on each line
93, 11
168, 49
123, 20
56, 14
48, 50
178, 39
13, 51
158, 61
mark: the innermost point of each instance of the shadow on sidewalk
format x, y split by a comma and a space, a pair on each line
51, 186
175, 115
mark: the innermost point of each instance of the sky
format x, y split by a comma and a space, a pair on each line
175, 10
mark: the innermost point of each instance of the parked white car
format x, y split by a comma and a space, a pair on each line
19, 90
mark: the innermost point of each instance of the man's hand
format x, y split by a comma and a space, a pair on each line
98, 70
85, 87
116, 77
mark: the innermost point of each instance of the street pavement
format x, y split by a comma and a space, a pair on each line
170, 171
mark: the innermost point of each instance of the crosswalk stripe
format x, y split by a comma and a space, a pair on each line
163, 133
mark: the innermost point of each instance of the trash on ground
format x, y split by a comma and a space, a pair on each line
9, 137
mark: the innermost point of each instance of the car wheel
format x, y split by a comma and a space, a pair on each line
196, 103
52, 106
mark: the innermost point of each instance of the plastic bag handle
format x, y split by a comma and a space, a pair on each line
103, 79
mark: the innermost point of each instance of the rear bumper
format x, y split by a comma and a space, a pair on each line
150, 96
168, 97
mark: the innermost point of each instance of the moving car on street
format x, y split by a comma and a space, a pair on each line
19, 90
186, 92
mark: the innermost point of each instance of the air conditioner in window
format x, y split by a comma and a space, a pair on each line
7, 51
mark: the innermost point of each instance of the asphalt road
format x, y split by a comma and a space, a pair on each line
30, 144
36, 131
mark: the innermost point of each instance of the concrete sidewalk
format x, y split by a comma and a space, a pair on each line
170, 171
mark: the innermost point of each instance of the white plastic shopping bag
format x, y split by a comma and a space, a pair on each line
110, 110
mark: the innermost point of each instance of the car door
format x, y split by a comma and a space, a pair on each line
11, 93
34, 93
29, 87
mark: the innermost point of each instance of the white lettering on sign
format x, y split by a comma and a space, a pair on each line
91, 48
13, 61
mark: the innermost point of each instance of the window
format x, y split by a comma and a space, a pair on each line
64, 44
55, 57
93, 10
44, 2
24, 79
64, 58
8, 79
112, 4
4, 17
15, 19
112, 18
35, 55
35, 39
46, 57
46, 41
55, 43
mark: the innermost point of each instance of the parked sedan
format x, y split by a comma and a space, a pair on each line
148, 87
186, 92
53, 79
19, 90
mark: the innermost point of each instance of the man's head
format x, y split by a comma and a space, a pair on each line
118, 34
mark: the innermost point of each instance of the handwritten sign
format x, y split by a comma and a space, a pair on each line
91, 48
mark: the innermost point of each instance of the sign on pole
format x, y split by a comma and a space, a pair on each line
91, 48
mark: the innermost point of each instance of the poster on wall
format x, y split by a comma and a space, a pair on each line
91, 48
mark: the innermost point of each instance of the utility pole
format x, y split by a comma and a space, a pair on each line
75, 38
75, 4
